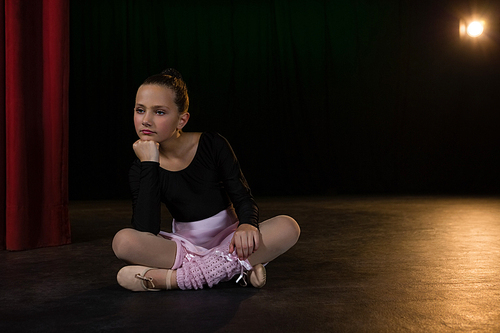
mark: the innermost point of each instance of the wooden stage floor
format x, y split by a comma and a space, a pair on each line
362, 264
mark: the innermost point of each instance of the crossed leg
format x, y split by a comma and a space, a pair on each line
278, 234
144, 248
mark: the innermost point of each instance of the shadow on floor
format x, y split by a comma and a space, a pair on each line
366, 264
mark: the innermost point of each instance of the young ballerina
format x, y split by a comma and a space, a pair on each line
216, 234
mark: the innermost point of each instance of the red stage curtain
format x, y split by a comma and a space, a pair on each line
2, 125
34, 161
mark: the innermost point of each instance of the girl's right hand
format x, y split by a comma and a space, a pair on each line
147, 151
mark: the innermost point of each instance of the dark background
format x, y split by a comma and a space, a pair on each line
316, 97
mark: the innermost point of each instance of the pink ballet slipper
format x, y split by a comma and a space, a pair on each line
256, 277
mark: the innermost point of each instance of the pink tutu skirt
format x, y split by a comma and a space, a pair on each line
200, 238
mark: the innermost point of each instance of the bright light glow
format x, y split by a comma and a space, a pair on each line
475, 29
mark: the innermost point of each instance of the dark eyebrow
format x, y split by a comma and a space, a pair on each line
155, 106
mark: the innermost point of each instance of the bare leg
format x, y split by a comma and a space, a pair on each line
278, 234
144, 248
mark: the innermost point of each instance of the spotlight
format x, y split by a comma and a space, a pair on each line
475, 29
472, 28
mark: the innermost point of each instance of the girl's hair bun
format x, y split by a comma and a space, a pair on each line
172, 79
172, 72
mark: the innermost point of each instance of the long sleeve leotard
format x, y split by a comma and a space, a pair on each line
209, 184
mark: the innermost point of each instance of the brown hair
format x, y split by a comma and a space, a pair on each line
171, 78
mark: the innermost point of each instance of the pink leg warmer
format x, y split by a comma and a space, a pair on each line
215, 267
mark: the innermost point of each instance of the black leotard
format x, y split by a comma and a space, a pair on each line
208, 185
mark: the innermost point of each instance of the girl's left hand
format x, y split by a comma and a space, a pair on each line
245, 241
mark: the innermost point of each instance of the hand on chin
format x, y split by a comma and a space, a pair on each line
147, 150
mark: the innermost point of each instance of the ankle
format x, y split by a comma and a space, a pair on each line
159, 278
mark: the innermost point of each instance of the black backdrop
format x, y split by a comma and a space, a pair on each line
316, 97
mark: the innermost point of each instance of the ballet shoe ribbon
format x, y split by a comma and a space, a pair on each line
244, 264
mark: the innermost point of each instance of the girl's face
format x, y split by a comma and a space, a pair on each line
156, 116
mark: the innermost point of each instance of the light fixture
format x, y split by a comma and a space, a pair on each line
471, 28
475, 29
